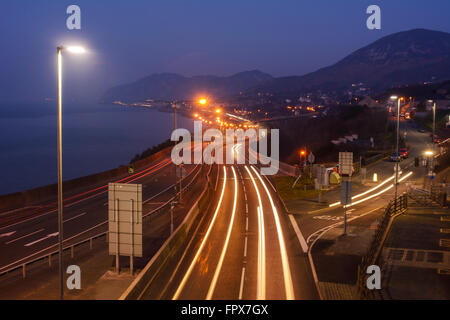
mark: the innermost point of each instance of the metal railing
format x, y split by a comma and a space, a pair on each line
394, 208
47, 253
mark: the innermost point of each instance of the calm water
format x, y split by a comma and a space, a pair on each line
95, 138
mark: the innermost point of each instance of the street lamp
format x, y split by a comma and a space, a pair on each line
434, 119
202, 101
59, 50
397, 151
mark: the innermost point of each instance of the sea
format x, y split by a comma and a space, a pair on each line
96, 137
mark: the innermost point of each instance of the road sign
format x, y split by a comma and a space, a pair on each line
431, 174
346, 163
311, 158
125, 221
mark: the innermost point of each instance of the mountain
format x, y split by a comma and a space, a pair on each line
170, 86
406, 57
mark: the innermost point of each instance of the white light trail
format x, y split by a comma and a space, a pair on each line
289, 289
261, 277
379, 193
368, 191
225, 246
191, 267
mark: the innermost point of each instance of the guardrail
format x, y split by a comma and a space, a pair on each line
394, 208
47, 253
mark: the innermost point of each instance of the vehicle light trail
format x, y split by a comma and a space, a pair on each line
289, 288
225, 246
191, 267
368, 191
381, 192
261, 278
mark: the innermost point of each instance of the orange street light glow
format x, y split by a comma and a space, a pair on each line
218, 110
202, 101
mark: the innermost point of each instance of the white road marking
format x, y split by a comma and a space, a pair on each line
299, 234
27, 235
81, 214
241, 288
8, 234
245, 248
268, 180
42, 239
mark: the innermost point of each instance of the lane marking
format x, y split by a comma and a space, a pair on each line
27, 235
197, 254
241, 287
268, 180
245, 247
80, 215
299, 234
42, 239
8, 234
289, 288
213, 284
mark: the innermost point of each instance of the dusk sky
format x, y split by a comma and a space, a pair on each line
128, 40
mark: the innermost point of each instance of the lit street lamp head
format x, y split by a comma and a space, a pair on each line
394, 97
77, 50
72, 49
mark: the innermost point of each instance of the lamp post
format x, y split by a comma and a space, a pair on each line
397, 150
59, 152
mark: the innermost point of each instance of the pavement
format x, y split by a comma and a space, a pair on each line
343, 253
416, 255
